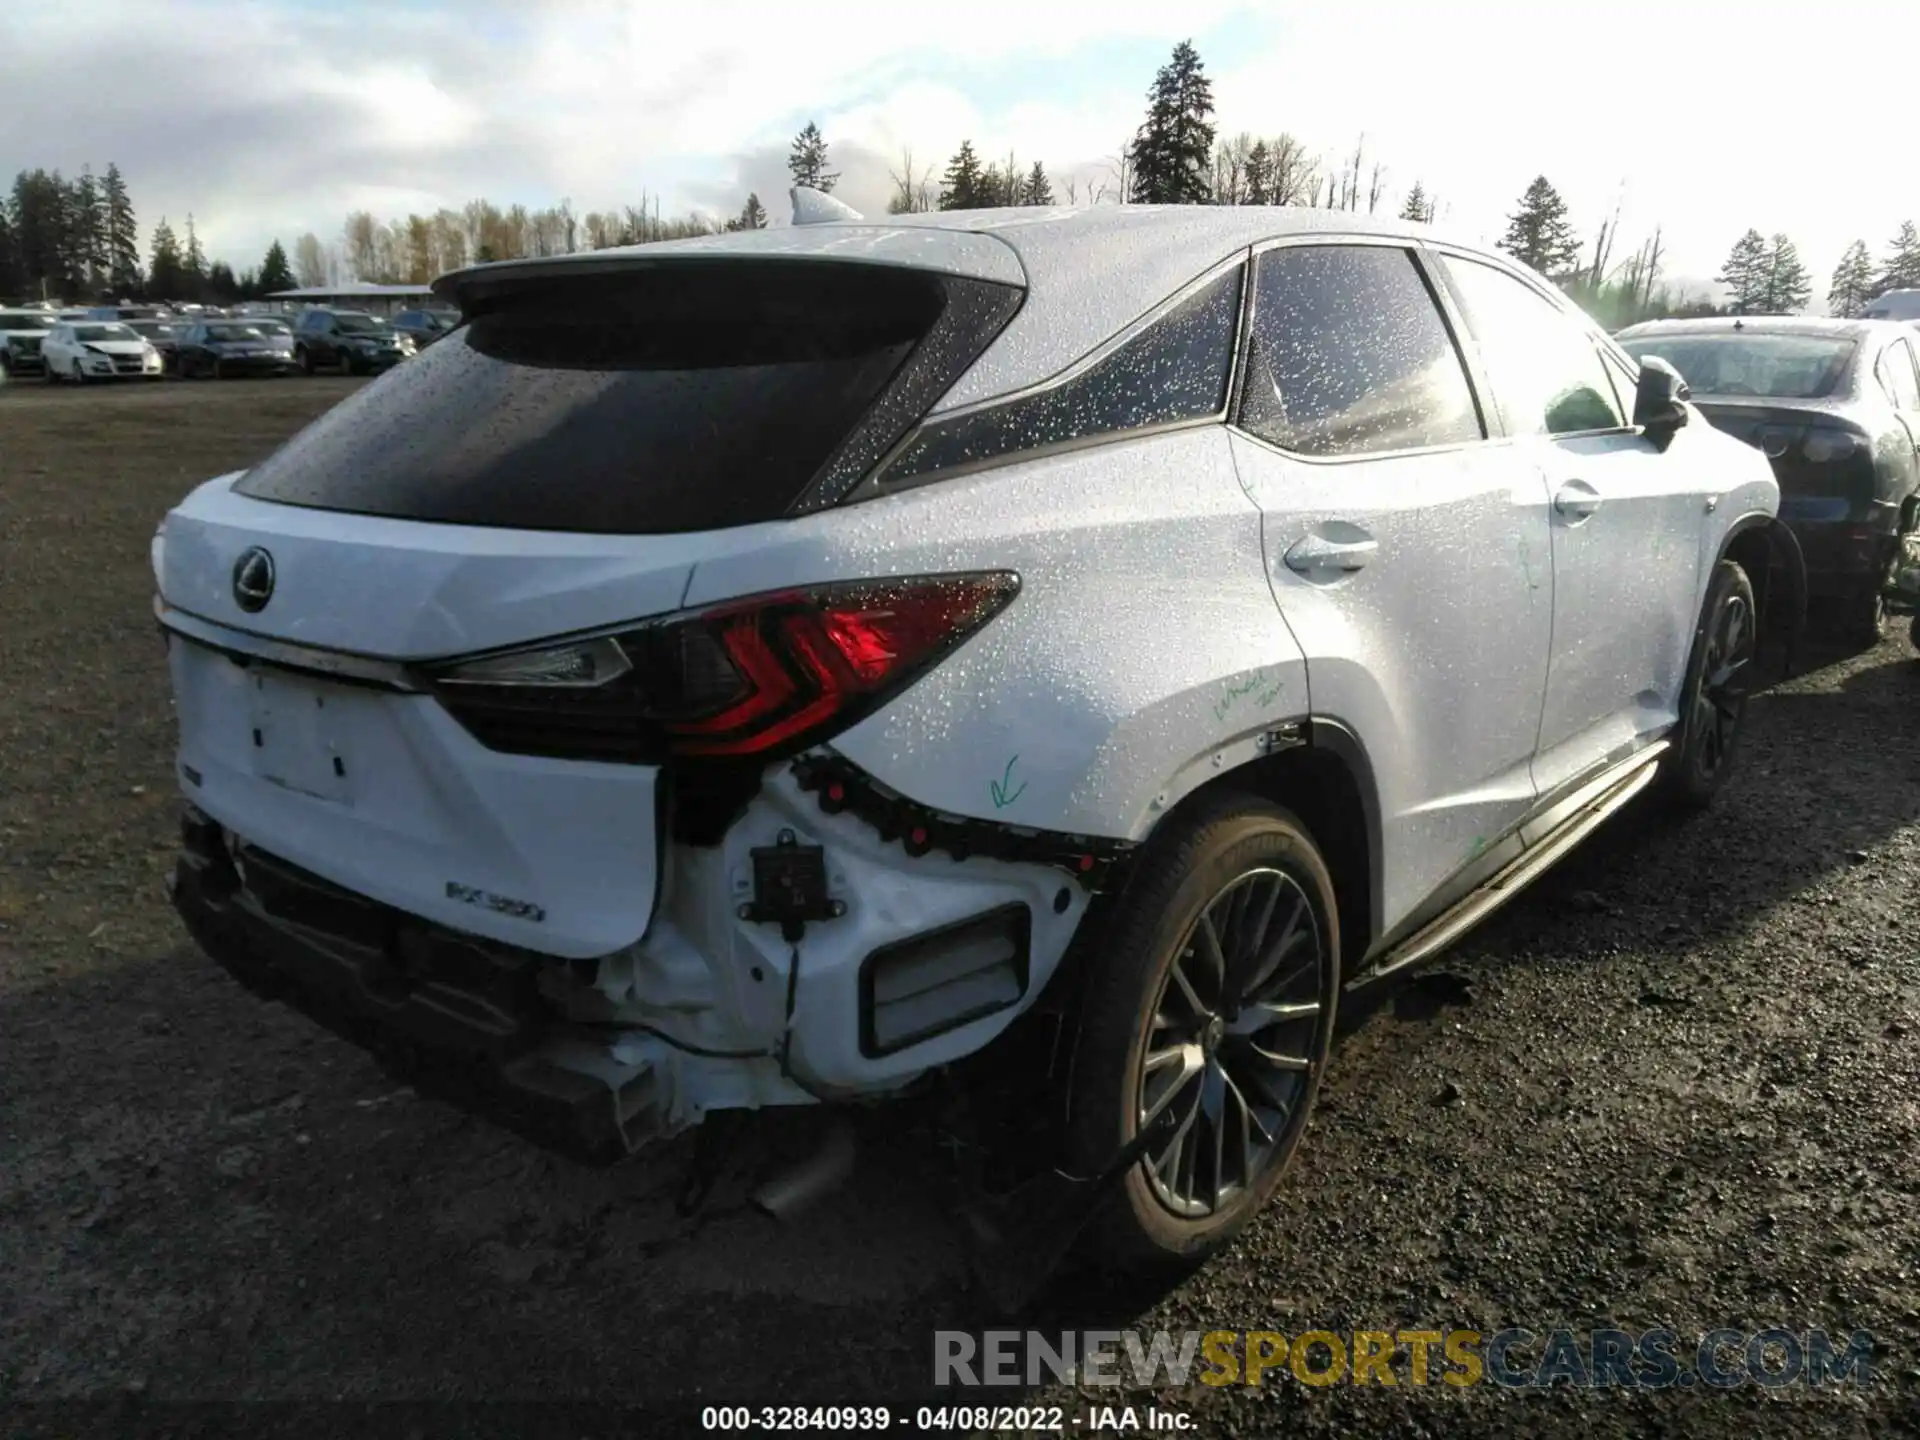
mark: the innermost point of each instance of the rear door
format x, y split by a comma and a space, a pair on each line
1899, 374
1625, 522
1408, 555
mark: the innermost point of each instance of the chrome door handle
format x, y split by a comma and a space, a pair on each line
1576, 501
1316, 553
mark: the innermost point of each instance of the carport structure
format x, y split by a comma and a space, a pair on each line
388, 300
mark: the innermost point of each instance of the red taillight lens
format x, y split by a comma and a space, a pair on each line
753, 678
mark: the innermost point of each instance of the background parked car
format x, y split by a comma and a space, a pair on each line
353, 341
424, 327
1835, 404
233, 347
162, 335
1894, 305
127, 312
98, 350
21, 334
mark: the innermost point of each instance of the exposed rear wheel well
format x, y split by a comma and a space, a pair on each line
1775, 595
1318, 785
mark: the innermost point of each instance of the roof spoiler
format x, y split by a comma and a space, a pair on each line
816, 207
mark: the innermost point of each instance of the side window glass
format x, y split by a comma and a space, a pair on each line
1175, 369
1350, 356
1545, 370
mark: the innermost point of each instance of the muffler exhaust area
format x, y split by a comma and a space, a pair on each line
797, 1188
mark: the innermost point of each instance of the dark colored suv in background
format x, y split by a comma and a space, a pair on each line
351, 340
424, 327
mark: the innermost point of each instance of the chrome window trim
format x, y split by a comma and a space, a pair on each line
341, 665
877, 484
1105, 349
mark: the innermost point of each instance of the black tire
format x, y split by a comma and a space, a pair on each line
1713, 698
1234, 845
79, 375
1865, 622
219, 370
304, 359
346, 363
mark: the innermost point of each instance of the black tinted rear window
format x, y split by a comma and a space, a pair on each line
674, 398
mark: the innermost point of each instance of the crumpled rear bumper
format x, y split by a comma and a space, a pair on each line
459, 1017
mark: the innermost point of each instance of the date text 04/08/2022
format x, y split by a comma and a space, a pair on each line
948, 1419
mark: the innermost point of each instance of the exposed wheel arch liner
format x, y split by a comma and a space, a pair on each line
1767, 549
1318, 768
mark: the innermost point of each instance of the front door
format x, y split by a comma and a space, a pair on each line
1625, 520
1409, 557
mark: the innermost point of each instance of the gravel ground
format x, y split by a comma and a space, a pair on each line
1675, 1084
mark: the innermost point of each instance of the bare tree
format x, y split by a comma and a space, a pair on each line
1376, 186
1230, 169
913, 193
1292, 174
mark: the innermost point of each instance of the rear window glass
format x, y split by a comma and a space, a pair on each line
670, 399
1786, 367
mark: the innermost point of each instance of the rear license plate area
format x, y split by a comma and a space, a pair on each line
297, 740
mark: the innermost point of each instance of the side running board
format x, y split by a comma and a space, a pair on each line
1548, 837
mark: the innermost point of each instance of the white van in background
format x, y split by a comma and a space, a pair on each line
1894, 305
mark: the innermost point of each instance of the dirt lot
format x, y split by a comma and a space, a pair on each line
1676, 1084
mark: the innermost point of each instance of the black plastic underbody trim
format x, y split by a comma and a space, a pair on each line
842, 785
455, 1015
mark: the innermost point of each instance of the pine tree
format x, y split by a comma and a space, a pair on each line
1419, 205
753, 215
39, 215
1539, 233
1745, 273
86, 234
10, 278
123, 235
1902, 268
193, 265
275, 272
965, 184
1852, 283
807, 161
1172, 154
1036, 189
1257, 178
222, 287
165, 276
1786, 286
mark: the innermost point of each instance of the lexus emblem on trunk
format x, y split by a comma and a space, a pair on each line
253, 580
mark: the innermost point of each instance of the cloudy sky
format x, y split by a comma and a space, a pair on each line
275, 117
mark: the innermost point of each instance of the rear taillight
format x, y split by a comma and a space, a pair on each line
750, 679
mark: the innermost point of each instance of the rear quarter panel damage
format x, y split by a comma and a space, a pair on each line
1144, 642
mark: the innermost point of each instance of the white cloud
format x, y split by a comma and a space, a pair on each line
267, 119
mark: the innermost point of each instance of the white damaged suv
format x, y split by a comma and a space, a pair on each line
762, 669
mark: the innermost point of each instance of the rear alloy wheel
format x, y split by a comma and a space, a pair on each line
1210, 1016
1713, 699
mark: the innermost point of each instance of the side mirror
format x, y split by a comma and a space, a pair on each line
1660, 400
